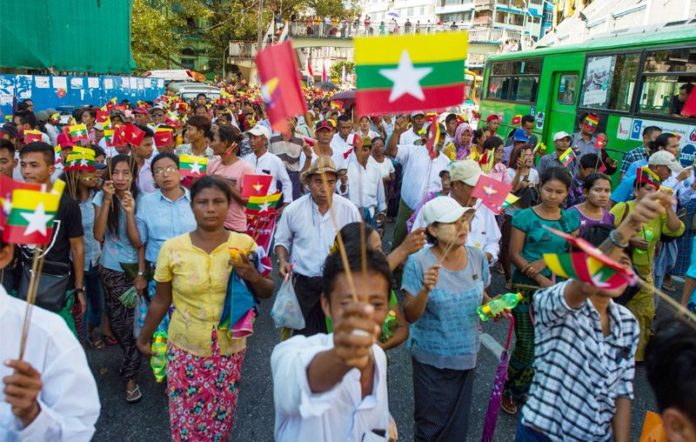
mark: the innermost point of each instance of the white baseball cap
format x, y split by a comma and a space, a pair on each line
560, 135
466, 171
260, 131
442, 209
665, 158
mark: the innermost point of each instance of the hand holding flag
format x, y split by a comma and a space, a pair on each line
491, 192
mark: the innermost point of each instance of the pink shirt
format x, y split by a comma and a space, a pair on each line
236, 218
499, 172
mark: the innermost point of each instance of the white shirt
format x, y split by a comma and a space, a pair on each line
69, 399
386, 166
484, 234
421, 174
365, 185
409, 137
308, 235
52, 133
337, 415
341, 146
269, 164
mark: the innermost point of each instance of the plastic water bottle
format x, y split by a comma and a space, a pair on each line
389, 327
158, 361
491, 309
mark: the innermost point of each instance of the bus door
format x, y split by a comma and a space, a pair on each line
561, 111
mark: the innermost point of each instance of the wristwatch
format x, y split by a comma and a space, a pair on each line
141, 273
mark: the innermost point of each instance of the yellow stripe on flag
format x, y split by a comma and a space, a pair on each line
260, 199
593, 265
58, 187
554, 264
29, 200
422, 48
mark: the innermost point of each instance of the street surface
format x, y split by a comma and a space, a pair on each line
148, 420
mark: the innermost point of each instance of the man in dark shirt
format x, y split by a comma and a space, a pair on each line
67, 244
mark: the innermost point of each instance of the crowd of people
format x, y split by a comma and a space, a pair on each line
133, 223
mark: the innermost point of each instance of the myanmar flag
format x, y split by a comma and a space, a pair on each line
7, 186
78, 132
193, 166
31, 217
262, 205
109, 137
405, 73
584, 268
32, 136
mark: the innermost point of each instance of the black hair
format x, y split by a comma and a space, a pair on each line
210, 182
527, 119
24, 105
670, 361
476, 136
198, 106
148, 132
199, 122
98, 151
351, 232
115, 208
375, 139
661, 141
589, 161
592, 178
161, 156
556, 173
8, 146
201, 94
90, 111
342, 117
40, 147
27, 117
492, 143
450, 117
686, 87
229, 134
650, 129
376, 263
429, 237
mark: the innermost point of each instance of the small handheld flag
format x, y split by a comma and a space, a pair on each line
255, 185
567, 157
32, 136
78, 132
192, 166
516, 120
164, 136
491, 192
584, 268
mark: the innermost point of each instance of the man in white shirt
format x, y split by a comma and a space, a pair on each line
324, 131
305, 234
334, 387
342, 143
51, 394
421, 176
413, 135
366, 188
484, 233
268, 164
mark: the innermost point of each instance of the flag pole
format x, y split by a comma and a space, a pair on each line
36, 268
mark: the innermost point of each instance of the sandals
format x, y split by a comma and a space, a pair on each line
134, 395
508, 405
96, 342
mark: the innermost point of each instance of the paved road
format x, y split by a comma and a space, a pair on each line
148, 420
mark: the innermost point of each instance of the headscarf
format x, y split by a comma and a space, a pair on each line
463, 150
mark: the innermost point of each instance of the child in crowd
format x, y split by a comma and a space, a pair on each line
588, 165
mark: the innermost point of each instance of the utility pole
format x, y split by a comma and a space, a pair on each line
259, 37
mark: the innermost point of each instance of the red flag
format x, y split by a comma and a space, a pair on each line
134, 135
164, 137
102, 115
689, 108
120, 136
491, 192
517, 119
255, 185
280, 84
32, 136
7, 185
324, 76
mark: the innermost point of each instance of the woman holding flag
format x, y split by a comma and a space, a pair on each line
203, 363
529, 241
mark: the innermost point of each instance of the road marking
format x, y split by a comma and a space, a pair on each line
490, 343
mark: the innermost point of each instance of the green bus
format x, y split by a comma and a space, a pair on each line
628, 79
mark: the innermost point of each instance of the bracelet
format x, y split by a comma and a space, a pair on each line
615, 242
141, 273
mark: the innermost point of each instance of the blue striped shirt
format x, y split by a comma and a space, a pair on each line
579, 372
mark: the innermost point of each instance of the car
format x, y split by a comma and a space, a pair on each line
169, 75
188, 90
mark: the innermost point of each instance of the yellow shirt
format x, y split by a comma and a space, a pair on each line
199, 286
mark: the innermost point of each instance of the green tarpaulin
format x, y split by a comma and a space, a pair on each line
91, 36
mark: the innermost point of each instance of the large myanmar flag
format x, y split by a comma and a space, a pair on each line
411, 72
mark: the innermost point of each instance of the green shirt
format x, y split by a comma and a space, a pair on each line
538, 240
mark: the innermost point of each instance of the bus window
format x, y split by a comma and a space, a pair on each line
609, 81
514, 80
566, 89
667, 75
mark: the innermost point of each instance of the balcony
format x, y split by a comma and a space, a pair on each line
242, 50
483, 5
487, 35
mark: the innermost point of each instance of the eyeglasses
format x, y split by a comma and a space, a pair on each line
165, 171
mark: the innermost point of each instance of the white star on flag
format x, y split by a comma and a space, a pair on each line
406, 78
264, 207
37, 220
257, 187
196, 168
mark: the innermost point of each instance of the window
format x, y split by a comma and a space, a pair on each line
664, 74
516, 19
609, 81
567, 88
514, 80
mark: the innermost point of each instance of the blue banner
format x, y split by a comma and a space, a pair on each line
69, 92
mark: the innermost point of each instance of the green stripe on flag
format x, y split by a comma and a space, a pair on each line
16, 218
443, 74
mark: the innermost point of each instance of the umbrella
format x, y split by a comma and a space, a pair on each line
498, 384
393, 14
347, 97
326, 85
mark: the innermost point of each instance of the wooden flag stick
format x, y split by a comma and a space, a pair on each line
677, 306
36, 268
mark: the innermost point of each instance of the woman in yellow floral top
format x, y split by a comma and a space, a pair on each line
203, 364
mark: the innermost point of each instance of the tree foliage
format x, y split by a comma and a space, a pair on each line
337, 69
